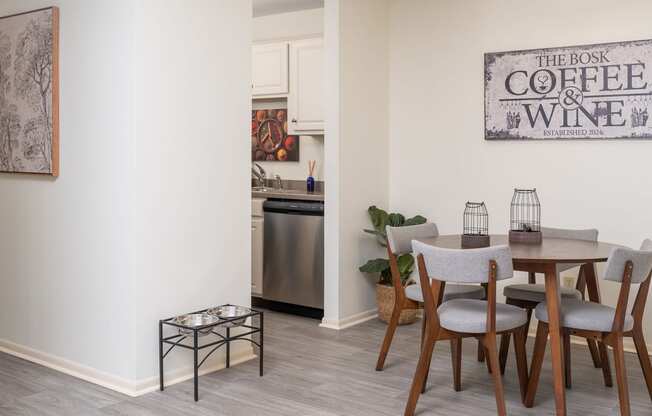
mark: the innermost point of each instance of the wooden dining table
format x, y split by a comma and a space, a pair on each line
544, 258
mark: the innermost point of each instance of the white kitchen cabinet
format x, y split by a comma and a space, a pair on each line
257, 239
269, 69
306, 97
257, 256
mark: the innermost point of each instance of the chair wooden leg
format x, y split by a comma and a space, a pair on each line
486, 360
621, 376
567, 360
529, 319
420, 375
595, 354
643, 358
593, 289
606, 368
593, 348
492, 358
521, 360
553, 305
504, 343
425, 380
480, 352
389, 335
456, 358
537, 362
504, 351
424, 326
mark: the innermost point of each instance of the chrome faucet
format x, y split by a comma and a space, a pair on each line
261, 170
261, 175
259, 178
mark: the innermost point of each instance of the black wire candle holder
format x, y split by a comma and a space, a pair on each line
476, 225
525, 217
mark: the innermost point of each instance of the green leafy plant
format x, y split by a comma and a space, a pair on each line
379, 220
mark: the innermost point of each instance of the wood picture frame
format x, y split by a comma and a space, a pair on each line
582, 92
29, 92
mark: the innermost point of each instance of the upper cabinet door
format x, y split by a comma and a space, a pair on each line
269, 69
306, 98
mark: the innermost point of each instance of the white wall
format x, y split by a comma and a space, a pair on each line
192, 227
288, 26
150, 215
361, 152
65, 279
332, 252
439, 158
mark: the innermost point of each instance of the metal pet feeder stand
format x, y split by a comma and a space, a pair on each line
199, 324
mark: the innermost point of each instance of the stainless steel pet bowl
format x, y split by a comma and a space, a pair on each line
230, 312
195, 320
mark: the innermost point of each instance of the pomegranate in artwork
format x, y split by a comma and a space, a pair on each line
290, 142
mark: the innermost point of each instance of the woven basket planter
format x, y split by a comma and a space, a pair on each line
385, 300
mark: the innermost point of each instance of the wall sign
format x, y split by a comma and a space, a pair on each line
600, 91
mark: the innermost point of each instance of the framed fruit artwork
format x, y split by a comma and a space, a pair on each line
269, 137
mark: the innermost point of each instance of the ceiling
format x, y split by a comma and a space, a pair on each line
265, 7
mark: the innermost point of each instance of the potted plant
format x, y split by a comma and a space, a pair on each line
385, 296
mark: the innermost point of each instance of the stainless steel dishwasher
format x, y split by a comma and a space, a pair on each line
293, 265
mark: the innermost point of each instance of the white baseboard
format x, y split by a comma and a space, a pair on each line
131, 388
373, 313
136, 388
186, 373
349, 321
628, 343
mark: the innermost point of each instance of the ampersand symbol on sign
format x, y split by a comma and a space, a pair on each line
571, 98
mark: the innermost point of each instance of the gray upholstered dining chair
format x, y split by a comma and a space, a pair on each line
462, 318
604, 323
529, 295
399, 241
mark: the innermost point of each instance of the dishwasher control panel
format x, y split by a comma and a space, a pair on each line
291, 206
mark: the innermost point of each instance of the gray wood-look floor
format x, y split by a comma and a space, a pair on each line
315, 371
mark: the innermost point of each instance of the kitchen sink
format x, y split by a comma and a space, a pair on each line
275, 190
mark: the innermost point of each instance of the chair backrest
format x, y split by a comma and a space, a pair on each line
465, 266
400, 238
646, 245
590, 234
641, 259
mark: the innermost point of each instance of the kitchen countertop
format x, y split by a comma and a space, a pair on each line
287, 194
290, 189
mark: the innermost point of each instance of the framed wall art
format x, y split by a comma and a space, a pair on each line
29, 92
599, 91
269, 137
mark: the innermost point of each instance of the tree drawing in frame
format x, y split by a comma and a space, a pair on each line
29, 92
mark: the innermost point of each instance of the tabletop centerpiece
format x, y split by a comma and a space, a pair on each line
475, 227
525, 217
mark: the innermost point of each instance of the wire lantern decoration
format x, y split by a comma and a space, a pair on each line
475, 225
525, 217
